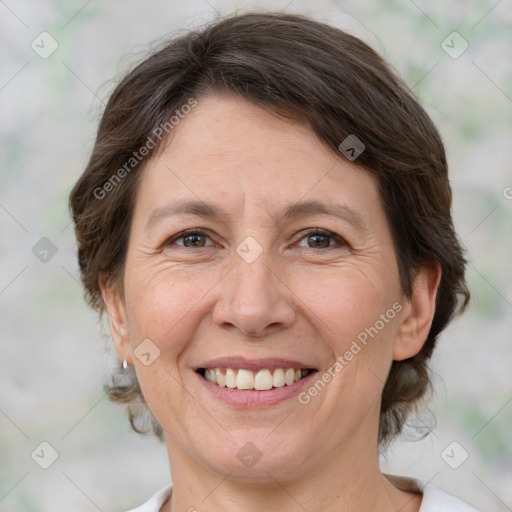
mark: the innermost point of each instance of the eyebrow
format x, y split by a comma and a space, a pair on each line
295, 210
305, 208
198, 208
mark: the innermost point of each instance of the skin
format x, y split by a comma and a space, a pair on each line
295, 301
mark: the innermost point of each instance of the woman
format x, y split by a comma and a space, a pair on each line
266, 219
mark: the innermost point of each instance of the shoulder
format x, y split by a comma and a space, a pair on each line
433, 499
154, 504
436, 500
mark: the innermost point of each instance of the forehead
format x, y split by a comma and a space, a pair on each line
229, 151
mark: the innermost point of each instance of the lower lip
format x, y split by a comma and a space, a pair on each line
255, 399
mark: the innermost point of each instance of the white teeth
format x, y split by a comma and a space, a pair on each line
230, 378
247, 379
289, 376
263, 380
221, 378
278, 378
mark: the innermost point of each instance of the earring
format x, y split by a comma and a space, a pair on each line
125, 365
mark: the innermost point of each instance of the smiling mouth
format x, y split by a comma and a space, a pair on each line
262, 380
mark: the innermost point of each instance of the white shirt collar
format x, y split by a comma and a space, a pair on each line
433, 500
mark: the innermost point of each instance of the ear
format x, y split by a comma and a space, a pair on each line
116, 309
418, 313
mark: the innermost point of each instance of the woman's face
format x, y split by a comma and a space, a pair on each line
288, 263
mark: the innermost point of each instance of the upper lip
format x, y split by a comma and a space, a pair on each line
242, 363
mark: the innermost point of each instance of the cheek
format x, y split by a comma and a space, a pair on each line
159, 298
353, 315
344, 302
164, 305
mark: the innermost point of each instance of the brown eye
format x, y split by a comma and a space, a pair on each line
191, 239
194, 240
321, 241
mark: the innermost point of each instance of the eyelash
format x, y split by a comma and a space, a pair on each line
311, 232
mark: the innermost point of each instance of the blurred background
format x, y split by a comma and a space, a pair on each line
59, 63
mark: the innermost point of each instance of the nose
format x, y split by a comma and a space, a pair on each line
254, 299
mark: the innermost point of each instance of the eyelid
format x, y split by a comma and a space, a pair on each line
323, 232
189, 232
303, 234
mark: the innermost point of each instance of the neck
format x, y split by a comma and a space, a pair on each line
347, 481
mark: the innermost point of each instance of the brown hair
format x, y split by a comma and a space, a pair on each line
293, 66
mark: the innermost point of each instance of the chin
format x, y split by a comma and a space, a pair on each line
254, 456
